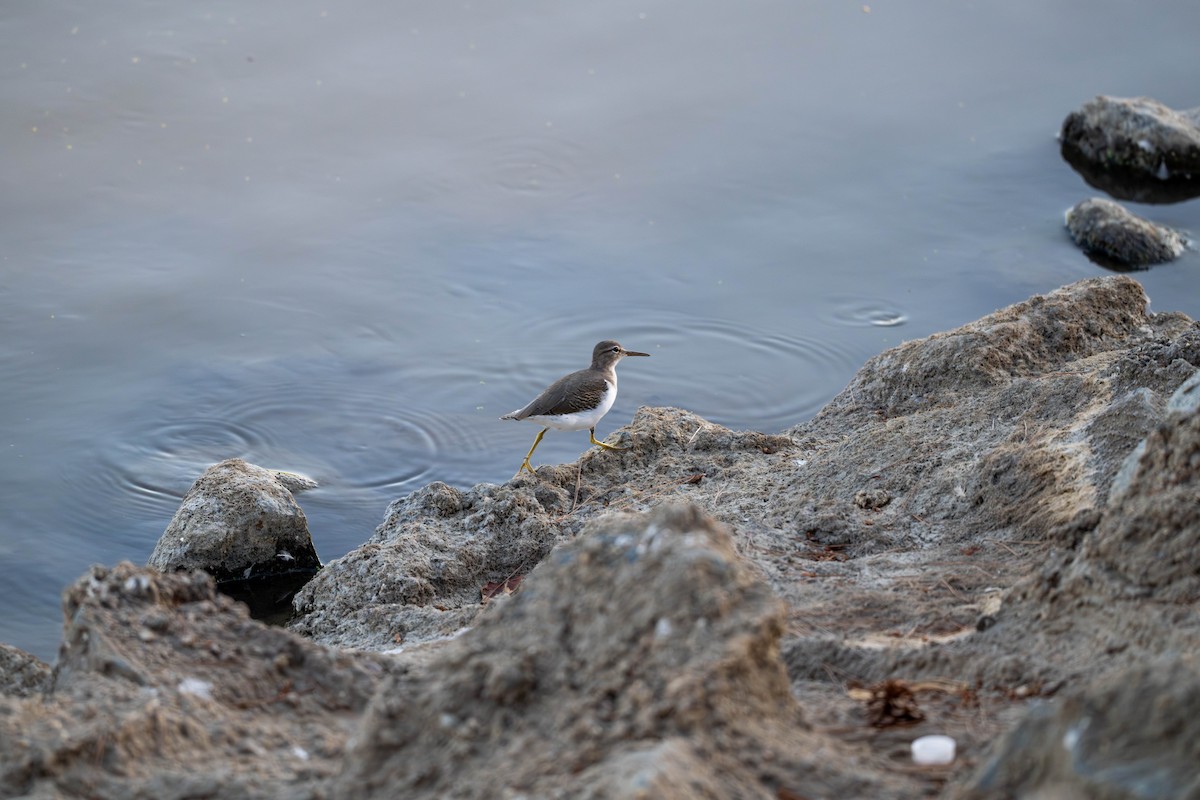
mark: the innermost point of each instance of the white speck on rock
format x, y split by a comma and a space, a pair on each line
196, 687
933, 749
663, 628
1071, 738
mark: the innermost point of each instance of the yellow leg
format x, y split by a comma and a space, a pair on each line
605, 446
525, 464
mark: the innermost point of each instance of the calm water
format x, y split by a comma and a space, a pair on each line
343, 240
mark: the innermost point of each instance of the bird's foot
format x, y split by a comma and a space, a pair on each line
606, 446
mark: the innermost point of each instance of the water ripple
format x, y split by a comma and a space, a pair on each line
864, 312
527, 164
366, 432
727, 371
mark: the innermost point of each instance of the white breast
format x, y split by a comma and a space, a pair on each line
580, 420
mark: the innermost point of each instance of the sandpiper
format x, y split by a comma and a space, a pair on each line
578, 400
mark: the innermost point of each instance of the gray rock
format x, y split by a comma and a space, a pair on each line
166, 689
21, 674
1116, 238
1186, 398
1148, 541
1126, 737
956, 524
239, 521
1135, 148
639, 660
420, 576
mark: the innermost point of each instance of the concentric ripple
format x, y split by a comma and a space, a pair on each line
479, 173
726, 371
865, 312
527, 164
366, 433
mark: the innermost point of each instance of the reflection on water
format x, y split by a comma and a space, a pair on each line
344, 240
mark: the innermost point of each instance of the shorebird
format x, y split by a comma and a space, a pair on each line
577, 401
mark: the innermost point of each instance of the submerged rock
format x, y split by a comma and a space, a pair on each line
1114, 237
1135, 148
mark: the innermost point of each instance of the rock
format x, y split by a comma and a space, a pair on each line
1148, 541
639, 660
982, 520
240, 524
1135, 148
1186, 398
1113, 237
21, 674
165, 689
1127, 737
419, 577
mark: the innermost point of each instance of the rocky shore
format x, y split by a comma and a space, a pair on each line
992, 534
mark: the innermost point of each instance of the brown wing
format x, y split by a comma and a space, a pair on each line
578, 391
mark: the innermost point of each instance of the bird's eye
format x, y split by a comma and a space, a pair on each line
616, 349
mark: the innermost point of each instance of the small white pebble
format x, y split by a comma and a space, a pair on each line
197, 687
935, 749
663, 628
299, 752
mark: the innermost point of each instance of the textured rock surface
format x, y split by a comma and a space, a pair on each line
238, 521
164, 689
21, 674
642, 657
1132, 736
1116, 238
1135, 148
983, 522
